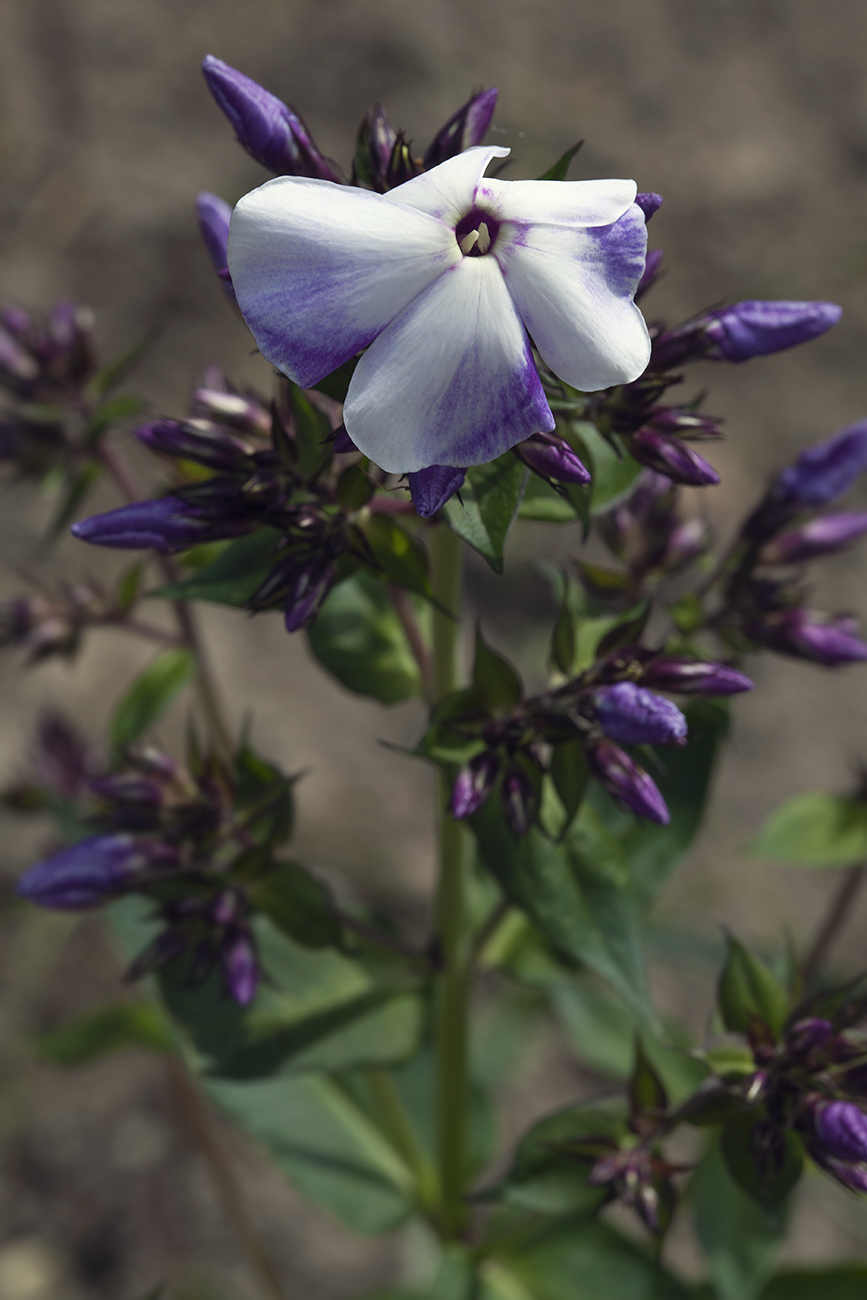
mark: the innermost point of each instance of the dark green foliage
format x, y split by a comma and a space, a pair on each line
488, 506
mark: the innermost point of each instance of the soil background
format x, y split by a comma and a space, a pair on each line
750, 117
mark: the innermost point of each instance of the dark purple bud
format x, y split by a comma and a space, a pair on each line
270, 131
853, 1177
214, 215
237, 410
671, 457
683, 421
466, 127
842, 1129
621, 776
633, 715
552, 457
18, 369
17, 321
167, 524
240, 966
686, 543
71, 329
431, 488
131, 788
183, 440
62, 761
380, 138
651, 273
473, 783
519, 800
93, 871
311, 585
649, 203
806, 634
344, 446
819, 537
755, 329
684, 676
805, 1035
825, 472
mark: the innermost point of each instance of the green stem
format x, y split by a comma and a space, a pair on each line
450, 1014
403, 1137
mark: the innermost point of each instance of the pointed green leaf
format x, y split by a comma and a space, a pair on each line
495, 681
570, 774
298, 904
766, 1176
488, 506
613, 469
817, 829
401, 556
127, 1024
749, 996
647, 1095
561, 166
151, 695
313, 448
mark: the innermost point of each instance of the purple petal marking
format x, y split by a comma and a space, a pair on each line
431, 488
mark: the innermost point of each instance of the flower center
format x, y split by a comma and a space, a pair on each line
476, 233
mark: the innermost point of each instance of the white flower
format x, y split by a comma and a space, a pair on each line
441, 280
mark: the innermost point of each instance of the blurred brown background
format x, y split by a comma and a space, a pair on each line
750, 117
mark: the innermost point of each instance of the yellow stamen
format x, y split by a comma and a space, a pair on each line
484, 238
469, 241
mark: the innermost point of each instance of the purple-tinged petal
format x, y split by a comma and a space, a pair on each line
632, 715
684, 676
825, 472
92, 871
621, 776
452, 381
570, 204
573, 288
823, 536
449, 191
320, 270
649, 203
431, 488
756, 328
465, 128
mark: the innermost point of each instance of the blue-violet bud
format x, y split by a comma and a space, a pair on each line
684, 676
825, 472
755, 328
633, 715
214, 215
552, 457
842, 1128
649, 203
465, 128
183, 440
621, 776
166, 524
431, 488
92, 871
823, 536
671, 457
824, 639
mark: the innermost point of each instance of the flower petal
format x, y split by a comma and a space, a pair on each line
449, 190
573, 289
319, 269
558, 203
451, 381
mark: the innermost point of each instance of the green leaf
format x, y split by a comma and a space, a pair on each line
116, 371
543, 502
401, 556
336, 385
561, 166
548, 1176
325, 1144
739, 1237
298, 904
312, 435
817, 829
76, 489
488, 506
839, 1282
750, 998
573, 1260
315, 1010
150, 696
495, 681
360, 640
127, 1024
613, 469
233, 577
647, 1093
570, 774
263, 797
116, 408
653, 852
766, 1175
578, 893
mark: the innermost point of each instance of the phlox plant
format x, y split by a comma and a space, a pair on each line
454, 352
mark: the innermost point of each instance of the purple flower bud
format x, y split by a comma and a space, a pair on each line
311, 585
633, 715
694, 677
240, 966
825, 472
431, 488
621, 776
806, 634
92, 871
852, 1176
552, 457
71, 347
18, 369
214, 215
842, 1129
755, 329
467, 127
651, 273
519, 800
238, 410
671, 457
684, 422
686, 543
805, 1035
473, 783
819, 537
270, 131
17, 321
166, 524
649, 203
62, 760
182, 440
376, 142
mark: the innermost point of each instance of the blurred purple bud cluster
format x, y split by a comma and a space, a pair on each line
649, 535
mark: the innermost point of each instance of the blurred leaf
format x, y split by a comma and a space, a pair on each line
150, 696
127, 1024
315, 1010
545, 1176
561, 166
613, 474
76, 489
578, 893
359, 639
766, 1174
495, 681
749, 995
298, 904
116, 408
263, 794
739, 1237
354, 488
574, 1260
543, 502
336, 385
401, 556
116, 371
837, 1282
325, 1144
653, 852
816, 829
233, 577
647, 1094
129, 586
313, 448
488, 506
570, 774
